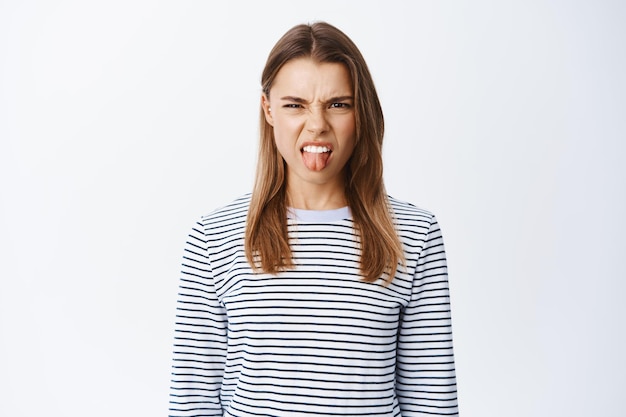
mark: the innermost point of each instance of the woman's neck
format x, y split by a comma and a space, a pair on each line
316, 197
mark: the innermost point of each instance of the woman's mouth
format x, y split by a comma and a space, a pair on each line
315, 157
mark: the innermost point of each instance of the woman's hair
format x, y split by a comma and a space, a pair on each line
266, 239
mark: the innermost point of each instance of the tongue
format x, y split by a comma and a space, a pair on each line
315, 161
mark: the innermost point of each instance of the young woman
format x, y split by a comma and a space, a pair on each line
316, 295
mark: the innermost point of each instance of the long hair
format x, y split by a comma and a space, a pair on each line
266, 239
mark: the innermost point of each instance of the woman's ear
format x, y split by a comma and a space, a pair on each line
265, 104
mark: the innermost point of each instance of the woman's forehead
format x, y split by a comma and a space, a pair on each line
306, 78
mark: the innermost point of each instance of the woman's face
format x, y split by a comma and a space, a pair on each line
311, 108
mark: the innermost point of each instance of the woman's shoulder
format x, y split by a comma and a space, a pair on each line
413, 223
409, 211
230, 213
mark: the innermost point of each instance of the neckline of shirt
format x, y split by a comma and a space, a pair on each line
319, 216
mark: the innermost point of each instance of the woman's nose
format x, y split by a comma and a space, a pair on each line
317, 122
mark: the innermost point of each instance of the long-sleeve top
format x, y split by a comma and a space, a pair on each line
314, 340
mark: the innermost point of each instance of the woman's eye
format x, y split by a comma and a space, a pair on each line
339, 106
293, 106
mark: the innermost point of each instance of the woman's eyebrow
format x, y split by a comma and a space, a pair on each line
294, 99
340, 98
330, 100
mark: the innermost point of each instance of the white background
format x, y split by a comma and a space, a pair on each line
123, 121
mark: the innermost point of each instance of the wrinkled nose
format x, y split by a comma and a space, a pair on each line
316, 122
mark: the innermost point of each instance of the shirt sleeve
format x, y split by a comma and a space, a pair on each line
200, 339
425, 373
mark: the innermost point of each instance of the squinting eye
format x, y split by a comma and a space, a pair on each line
292, 106
339, 106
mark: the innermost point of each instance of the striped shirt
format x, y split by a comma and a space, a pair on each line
315, 340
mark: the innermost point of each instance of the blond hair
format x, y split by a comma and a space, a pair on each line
266, 238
